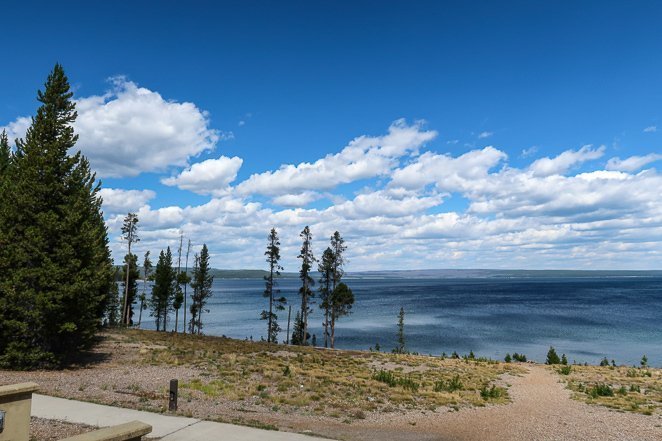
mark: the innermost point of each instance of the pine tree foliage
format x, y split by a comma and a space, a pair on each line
130, 235
338, 247
307, 282
401, 348
163, 289
147, 275
130, 264
271, 291
297, 331
201, 283
55, 267
325, 269
5, 153
341, 301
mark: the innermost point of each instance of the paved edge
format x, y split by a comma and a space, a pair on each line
166, 427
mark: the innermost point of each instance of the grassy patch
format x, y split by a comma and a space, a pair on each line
346, 384
621, 388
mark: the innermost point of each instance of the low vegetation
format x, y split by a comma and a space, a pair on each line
321, 382
635, 389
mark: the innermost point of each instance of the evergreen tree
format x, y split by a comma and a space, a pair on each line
400, 349
338, 247
130, 291
163, 289
177, 302
185, 279
271, 291
553, 357
113, 307
147, 271
297, 330
341, 300
201, 283
5, 153
130, 234
55, 267
325, 269
307, 260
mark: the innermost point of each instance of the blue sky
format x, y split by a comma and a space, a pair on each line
167, 85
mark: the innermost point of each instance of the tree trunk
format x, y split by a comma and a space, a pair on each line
125, 314
333, 330
289, 316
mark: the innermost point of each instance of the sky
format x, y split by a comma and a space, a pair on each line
430, 134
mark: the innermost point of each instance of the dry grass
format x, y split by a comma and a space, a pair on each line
312, 381
622, 388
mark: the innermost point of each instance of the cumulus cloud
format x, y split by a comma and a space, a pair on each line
633, 163
446, 172
131, 129
364, 157
117, 200
650, 129
483, 135
212, 176
541, 215
297, 200
566, 160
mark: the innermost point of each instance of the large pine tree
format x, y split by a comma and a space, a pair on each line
163, 290
130, 292
201, 283
307, 282
271, 291
55, 267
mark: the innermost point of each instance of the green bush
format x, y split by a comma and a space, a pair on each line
635, 388
508, 358
493, 392
391, 380
601, 390
565, 370
604, 362
519, 357
449, 386
552, 356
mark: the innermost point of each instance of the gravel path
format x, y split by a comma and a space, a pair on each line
543, 410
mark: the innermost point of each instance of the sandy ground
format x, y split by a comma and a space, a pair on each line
541, 410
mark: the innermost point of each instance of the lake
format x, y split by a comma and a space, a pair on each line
586, 317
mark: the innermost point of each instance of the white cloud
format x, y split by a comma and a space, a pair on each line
428, 210
650, 129
364, 157
563, 162
483, 135
297, 200
117, 200
131, 129
447, 172
633, 163
212, 176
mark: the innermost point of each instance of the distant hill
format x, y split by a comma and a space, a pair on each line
442, 274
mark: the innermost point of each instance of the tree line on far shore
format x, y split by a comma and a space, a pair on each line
171, 282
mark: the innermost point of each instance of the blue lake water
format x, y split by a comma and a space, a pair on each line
586, 318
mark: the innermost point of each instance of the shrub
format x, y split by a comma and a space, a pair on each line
564, 360
644, 361
508, 358
601, 390
552, 356
391, 380
604, 362
565, 370
493, 392
635, 388
519, 357
450, 386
